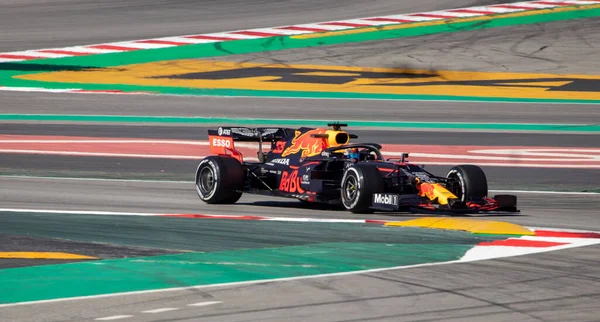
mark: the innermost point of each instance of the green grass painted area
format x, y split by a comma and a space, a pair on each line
181, 270
587, 128
8, 70
214, 251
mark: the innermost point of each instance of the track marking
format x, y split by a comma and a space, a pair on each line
114, 317
161, 310
478, 253
43, 255
205, 303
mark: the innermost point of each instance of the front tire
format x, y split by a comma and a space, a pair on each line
219, 180
359, 183
471, 182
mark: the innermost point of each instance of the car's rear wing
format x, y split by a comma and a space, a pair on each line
221, 141
246, 134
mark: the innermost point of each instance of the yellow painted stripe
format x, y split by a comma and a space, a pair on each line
450, 83
445, 21
476, 226
43, 255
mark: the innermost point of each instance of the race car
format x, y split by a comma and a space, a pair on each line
320, 165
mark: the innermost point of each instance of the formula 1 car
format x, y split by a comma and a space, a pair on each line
321, 165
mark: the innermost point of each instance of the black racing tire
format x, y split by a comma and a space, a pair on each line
219, 180
359, 183
471, 182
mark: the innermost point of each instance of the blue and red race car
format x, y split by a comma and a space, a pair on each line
321, 165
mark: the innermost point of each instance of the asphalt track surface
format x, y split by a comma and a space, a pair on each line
553, 286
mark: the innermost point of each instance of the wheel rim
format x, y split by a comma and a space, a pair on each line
350, 189
206, 181
457, 187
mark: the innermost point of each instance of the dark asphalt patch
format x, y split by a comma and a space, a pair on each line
14, 243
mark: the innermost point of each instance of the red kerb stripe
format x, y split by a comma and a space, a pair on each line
63, 52
97, 91
389, 19
255, 33
521, 243
373, 221
345, 24
18, 56
163, 42
297, 28
432, 15
113, 47
211, 37
566, 234
473, 11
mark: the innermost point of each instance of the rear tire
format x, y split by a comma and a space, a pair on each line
219, 180
359, 183
471, 182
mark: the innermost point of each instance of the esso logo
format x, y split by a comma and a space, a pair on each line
221, 143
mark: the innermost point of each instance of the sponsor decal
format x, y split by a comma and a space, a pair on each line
267, 132
224, 143
281, 161
427, 190
421, 175
305, 143
290, 182
222, 131
305, 179
245, 131
385, 199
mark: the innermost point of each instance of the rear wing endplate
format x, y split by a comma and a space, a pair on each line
221, 141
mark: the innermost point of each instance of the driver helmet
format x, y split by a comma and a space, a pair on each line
351, 153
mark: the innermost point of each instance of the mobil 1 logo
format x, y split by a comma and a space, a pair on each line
386, 201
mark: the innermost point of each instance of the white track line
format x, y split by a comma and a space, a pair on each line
161, 310
114, 317
205, 303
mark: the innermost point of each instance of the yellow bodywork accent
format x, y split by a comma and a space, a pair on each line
43, 255
436, 190
334, 136
476, 226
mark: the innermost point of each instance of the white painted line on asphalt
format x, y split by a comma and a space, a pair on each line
205, 303
164, 309
114, 317
548, 192
95, 179
80, 212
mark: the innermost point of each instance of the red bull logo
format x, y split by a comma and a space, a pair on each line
306, 143
427, 190
435, 190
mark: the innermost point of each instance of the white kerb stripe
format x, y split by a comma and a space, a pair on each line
282, 32
37, 54
133, 44
319, 26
